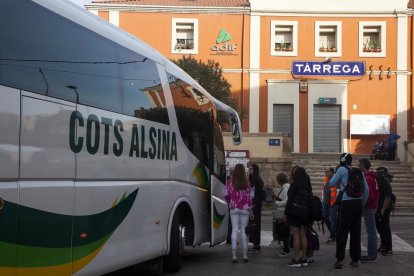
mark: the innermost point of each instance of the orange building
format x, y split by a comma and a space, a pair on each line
336, 75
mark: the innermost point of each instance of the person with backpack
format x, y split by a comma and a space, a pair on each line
369, 211
385, 206
297, 215
352, 196
258, 195
280, 202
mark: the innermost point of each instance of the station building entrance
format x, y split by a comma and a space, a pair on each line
315, 125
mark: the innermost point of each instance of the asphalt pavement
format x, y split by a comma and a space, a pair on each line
216, 261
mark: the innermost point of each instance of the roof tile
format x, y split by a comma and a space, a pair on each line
203, 3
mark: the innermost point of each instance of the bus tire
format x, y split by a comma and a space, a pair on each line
172, 261
157, 266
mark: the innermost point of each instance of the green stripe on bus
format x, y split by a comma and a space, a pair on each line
46, 239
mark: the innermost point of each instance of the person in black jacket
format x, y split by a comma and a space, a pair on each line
384, 208
299, 196
258, 195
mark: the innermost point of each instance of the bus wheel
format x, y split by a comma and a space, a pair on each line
152, 267
172, 262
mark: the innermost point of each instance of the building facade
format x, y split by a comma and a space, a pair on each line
335, 75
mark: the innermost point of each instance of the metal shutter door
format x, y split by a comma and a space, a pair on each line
327, 128
283, 118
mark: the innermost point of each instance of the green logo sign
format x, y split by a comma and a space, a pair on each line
223, 36
222, 46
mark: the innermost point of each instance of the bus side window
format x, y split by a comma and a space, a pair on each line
49, 55
194, 117
142, 92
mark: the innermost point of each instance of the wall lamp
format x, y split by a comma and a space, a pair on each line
380, 74
389, 73
370, 72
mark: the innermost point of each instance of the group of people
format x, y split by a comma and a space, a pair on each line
348, 194
343, 216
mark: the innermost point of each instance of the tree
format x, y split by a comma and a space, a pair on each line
210, 76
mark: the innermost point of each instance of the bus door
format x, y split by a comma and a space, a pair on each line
9, 171
219, 212
46, 186
219, 209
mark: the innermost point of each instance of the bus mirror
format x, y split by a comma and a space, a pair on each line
234, 120
235, 130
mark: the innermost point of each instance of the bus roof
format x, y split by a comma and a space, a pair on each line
100, 26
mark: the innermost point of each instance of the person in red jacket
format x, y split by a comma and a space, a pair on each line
369, 211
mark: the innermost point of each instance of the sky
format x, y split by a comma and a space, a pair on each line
81, 2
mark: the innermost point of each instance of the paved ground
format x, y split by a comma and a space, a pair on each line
216, 261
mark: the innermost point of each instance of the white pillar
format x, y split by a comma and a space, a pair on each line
95, 12
114, 17
402, 108
254, 75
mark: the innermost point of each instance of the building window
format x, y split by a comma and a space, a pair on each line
284, 37
184, 36
372, 39
328, 39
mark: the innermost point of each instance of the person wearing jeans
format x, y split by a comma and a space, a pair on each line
239, 220
327, 193
370, 227
240, 203
369, 211
333, 217
392, 144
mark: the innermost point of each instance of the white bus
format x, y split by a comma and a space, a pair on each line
110, 155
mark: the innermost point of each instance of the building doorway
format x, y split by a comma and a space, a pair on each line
327, 128
283, 119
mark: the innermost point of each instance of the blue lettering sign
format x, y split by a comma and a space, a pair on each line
337, 68
274, 142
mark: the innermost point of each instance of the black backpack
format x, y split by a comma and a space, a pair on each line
315, 209
355, 185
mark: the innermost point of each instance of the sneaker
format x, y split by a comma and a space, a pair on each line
303, 262
234, 261
284, 254
294, 263
257, 248
311, 260
367, 259
381, 250
354, 264
338, 265
245, 260
387, 253
330, 240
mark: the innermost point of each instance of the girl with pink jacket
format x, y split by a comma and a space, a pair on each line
240, 204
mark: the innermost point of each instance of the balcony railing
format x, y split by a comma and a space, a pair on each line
186, 44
